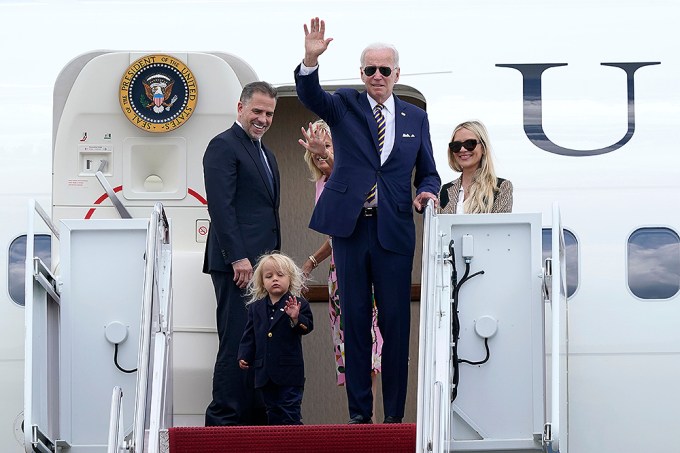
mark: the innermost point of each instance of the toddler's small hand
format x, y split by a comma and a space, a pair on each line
292, 308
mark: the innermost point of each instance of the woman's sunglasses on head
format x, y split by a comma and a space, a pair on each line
469, 145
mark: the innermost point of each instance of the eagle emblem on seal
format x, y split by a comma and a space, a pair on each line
158, 93
158, 90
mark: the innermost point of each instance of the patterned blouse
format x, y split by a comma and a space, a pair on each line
448, 197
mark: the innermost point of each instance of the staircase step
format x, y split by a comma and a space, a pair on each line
299, 439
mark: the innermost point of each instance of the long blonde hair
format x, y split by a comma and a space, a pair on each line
483, 187
256, 290
309, 157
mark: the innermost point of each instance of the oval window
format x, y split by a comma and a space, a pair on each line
16, 267
654, 263
570, 254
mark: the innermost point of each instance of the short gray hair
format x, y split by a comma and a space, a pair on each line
380, 46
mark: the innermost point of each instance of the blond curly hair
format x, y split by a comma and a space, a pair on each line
256, 290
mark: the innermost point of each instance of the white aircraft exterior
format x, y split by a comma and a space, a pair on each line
582, 104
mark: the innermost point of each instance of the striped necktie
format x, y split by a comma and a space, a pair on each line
380, 120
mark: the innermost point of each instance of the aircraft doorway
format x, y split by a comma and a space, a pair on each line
324, 401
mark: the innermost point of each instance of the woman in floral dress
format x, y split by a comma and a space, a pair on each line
319, 135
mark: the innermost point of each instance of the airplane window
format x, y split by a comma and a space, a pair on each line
570, 253
654, 263
16, 265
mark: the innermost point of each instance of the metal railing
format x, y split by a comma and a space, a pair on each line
153, 352
41, 376
155, 326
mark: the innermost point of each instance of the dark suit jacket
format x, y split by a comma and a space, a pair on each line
274, 348
244, 216
357, 164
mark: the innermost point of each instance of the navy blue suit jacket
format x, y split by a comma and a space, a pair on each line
244, 213
274, 348
357, 164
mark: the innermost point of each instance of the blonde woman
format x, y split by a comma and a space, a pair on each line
278, 316
478, 190
320, 167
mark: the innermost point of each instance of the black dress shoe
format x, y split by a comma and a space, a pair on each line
360, 420
390, 419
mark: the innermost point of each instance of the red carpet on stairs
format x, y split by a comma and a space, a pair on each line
304, 438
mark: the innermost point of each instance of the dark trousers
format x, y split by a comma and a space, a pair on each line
363, 266
283, 403
234, 398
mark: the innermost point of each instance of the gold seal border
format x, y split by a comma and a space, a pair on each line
189, 82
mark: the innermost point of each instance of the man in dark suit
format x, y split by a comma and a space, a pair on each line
366, 207
242, 186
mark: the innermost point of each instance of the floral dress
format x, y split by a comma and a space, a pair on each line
336, 320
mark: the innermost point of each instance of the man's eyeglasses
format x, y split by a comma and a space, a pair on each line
384, 70
470, 145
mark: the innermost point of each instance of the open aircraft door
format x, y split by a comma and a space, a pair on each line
129, 131
482, 369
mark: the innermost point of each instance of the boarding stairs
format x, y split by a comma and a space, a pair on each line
493, 357
110, 304
114, 291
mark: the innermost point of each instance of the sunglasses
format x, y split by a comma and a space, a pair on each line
470, 145
384, 70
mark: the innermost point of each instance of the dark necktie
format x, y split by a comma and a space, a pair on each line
263, 158
380, 120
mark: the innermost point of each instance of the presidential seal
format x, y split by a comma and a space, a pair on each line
158, 93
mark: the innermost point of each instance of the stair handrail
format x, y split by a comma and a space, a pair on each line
116, 421
158, 235
160, 411
117, 203
40, 381
430, 391
558, 290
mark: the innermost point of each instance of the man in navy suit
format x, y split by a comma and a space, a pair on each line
242, 186
366, 207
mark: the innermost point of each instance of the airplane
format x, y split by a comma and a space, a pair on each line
582, 106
